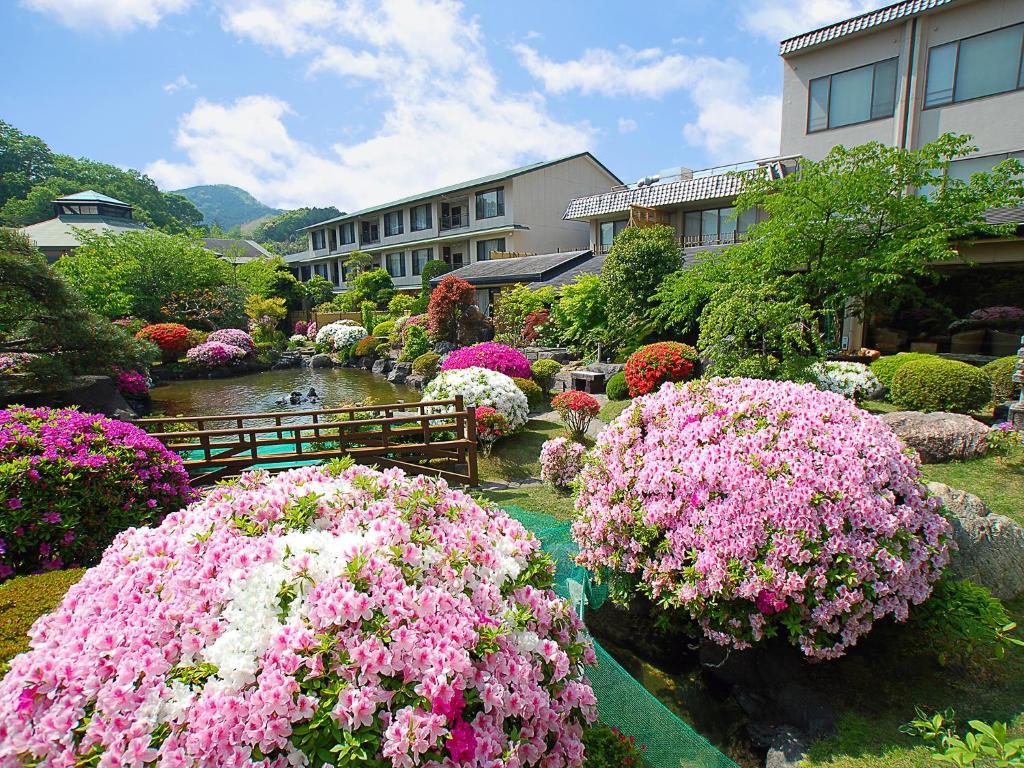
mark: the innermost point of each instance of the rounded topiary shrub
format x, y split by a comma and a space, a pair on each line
616, 387
651, 366
544, 372
172, 339
282, 617
340, 335
426, 364
854, 380
941, 385
480, 386
384, 330
1000, 372
492, 356
886, 368
534, 394
71, 481
366, 347
753, 507
235, 338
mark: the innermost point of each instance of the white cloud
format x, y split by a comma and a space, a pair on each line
115, 15
443, 117
626, 125
180, 83
780, 19
732, 122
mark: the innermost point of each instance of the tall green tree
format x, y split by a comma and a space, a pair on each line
135, 273
24, 161
267, 277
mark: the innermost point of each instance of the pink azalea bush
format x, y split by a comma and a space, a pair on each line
71, 481
489, 355
561, 460
233, 337
749, 505
998, 313
300, 328
329, 614
131, 383
212, 354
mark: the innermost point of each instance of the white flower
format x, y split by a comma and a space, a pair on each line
854, 380
343, 333
479, 386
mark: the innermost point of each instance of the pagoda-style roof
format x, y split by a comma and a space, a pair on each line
91, 196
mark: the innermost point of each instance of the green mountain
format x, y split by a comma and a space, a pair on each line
225, 205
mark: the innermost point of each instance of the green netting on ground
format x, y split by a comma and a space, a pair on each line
621, 700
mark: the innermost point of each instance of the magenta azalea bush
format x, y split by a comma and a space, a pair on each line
233, 337
750, 505
489, 355
561, 460
131, 383
70, 481
213, 354
333, 615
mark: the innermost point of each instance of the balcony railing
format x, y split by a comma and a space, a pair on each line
455, 221
700, 241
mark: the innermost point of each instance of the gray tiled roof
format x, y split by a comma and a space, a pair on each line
1005, 215
60, 232
520, 269
670, 193
91, 196
881, 17
236, 248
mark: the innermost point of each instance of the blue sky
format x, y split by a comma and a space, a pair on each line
353, 102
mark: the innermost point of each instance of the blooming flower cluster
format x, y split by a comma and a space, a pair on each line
213, 354
751, 504
998, 313
403, 324
854, 380
480, 386
234, 338
340, 335
330, 615
131, 383
170, 338
576, 410
300, 328
490, 427
70, 481
298, 338
489, 355
14, 360
561, 460
651, 366
311, 331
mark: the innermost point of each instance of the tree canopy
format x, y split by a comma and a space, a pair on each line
285, 230
639, 259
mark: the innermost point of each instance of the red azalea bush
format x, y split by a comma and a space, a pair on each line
577, 409
448, 301
170, 338
651, 366
491, 425
71, 481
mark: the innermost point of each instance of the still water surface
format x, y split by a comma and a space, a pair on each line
260, 392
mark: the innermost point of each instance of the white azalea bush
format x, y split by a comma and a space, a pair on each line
331, 615
340, 335
480, 386
853, 380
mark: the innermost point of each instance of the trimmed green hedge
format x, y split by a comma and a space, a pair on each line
941, 385
426, 364
616, 388
1001, 373
885, 368
534, 394
23, 600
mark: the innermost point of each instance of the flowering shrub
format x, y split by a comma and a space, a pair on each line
490, 427
367, 346
298, 338
651, 366
576, 409
311, 331
611, 748
300, 328
327, 615
404, 325
854, 380
480, 386
70, 481
131, 383
490, 355
214, 354
751, 504
14, 360
560, 461
170, 338
448, 302
998, 313
340, 335
234, 338
535, 325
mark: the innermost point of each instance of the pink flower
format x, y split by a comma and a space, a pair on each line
14, 503
462, 743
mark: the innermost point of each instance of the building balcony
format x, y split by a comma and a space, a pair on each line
454, 221
711, 241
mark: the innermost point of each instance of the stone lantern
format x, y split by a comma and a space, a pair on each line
1016, 414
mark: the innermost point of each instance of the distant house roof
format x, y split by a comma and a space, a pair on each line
1005, 215
235, 249
544, 269
669, 193
871, 20
59, 232
494, 177
91, 196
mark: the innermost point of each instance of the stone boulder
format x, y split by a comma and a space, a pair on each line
381, 367
788, 748
416, 381
401, 372
321, 361
991, 547
939, 436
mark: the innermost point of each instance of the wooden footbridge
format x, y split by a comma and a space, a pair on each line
436, 437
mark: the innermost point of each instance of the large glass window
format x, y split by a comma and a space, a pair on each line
975, 66
348, 233
334, 238
319, 240
609, 230
393, 223
854, 96
369, 233
420, 257
395, 264
716, 226
419, 218
484, 248
490, 203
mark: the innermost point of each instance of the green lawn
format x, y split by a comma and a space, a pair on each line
612, 409
534, 498
517, 458
999, 483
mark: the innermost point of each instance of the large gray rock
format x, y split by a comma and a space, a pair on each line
991, 547
321, 361
788, 748
401, 372
381, 367
939, 436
